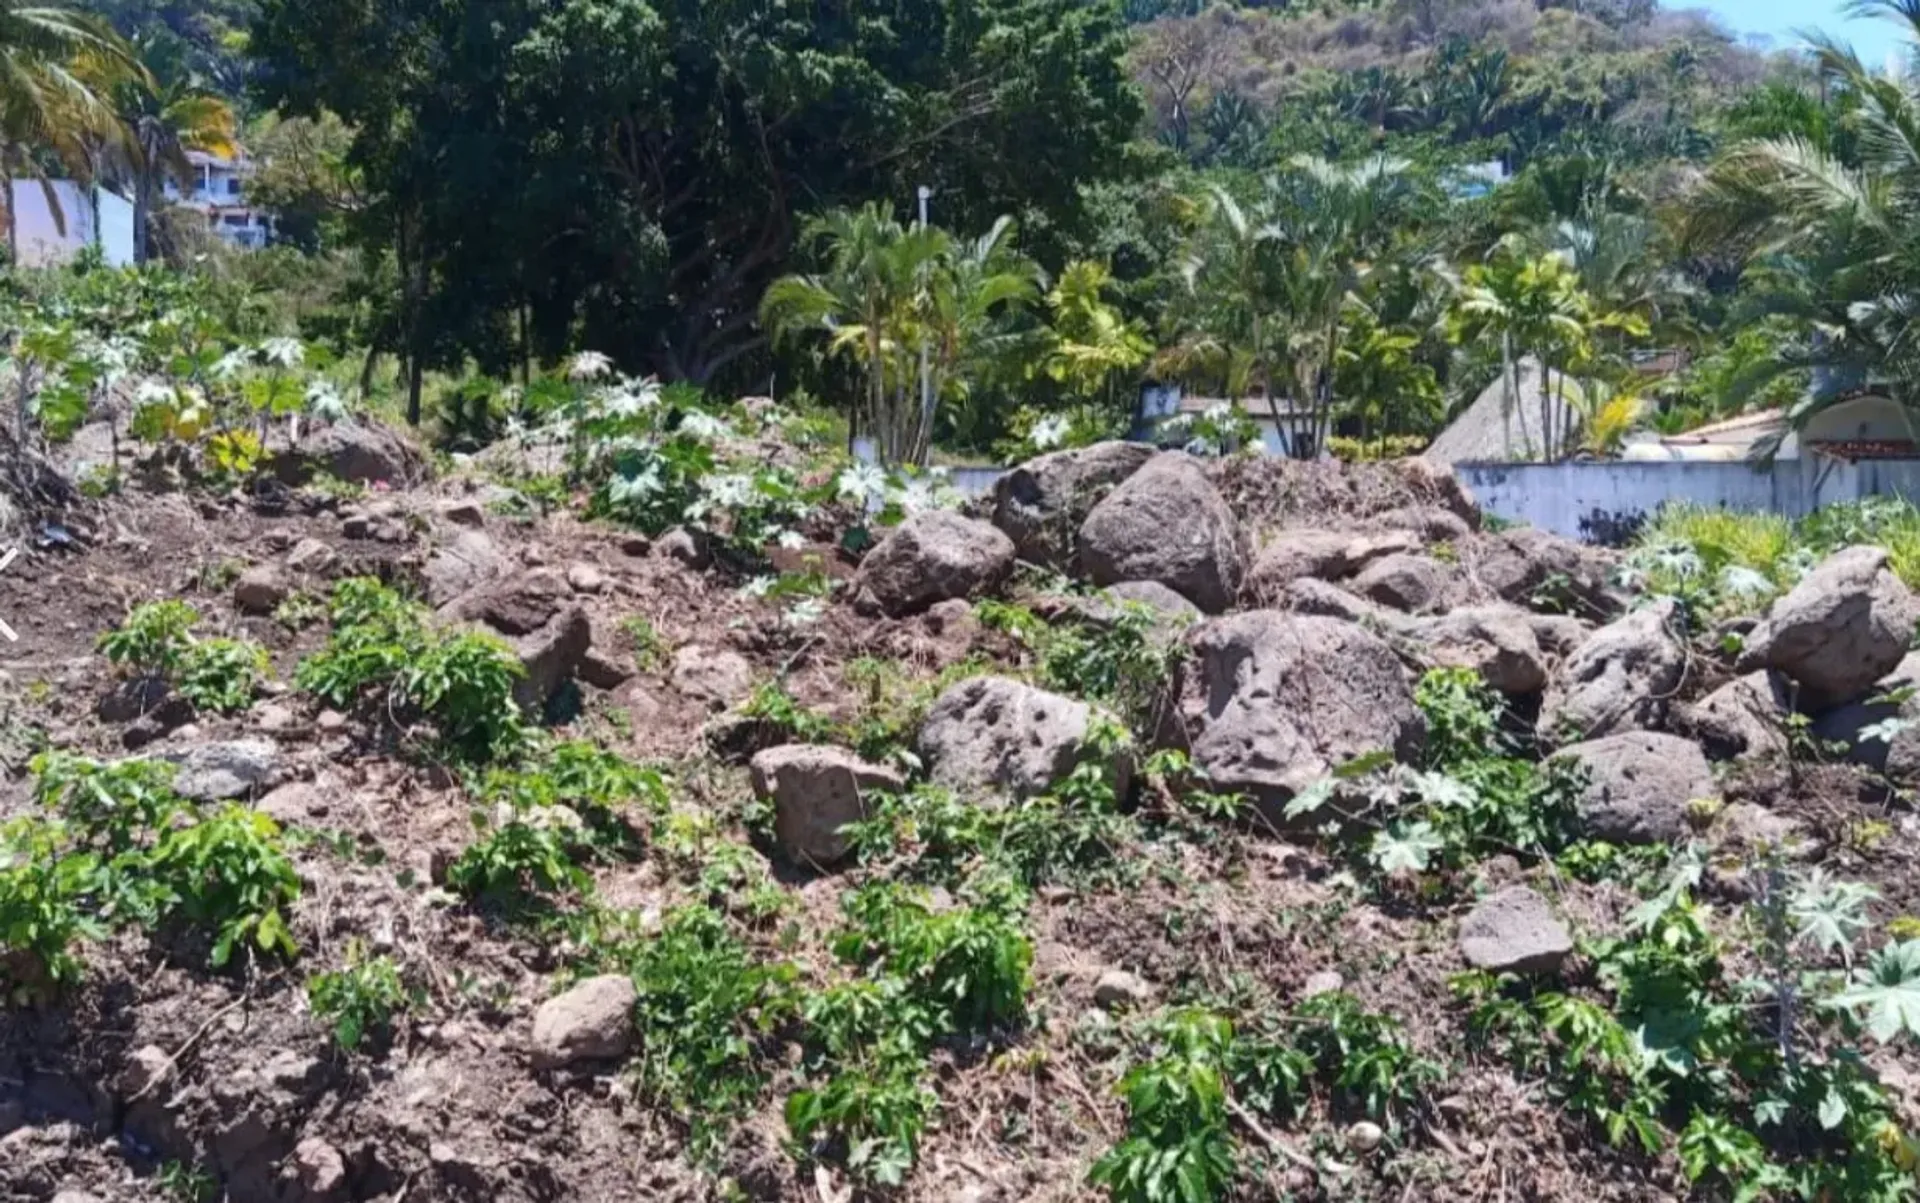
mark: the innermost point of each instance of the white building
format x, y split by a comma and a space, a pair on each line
220, 192
1166, 411
54, 221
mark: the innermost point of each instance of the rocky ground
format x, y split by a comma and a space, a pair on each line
1294, 609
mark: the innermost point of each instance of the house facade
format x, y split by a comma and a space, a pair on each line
1167, 412
219, 192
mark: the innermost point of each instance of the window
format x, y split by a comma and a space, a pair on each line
233, 186
237, 220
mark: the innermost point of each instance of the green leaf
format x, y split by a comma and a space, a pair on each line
1406, 847
1888, 991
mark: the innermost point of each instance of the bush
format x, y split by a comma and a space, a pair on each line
45, 897
1178, 1148
230, 874
359, 1000
217, 675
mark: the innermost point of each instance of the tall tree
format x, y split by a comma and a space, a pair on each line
167, 112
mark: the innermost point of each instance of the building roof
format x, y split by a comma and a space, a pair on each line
1747, 429
1493, 431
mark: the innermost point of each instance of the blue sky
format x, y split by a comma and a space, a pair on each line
1872, 38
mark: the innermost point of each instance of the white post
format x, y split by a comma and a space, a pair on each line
926, 376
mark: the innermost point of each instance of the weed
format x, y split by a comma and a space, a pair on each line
1121, 661
523, 857
184, 1183
771, 705
361, 999
300, 610
221, 676
1178, 1148
153, 639
649, 646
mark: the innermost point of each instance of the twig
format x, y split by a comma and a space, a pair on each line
1275, 1143
173, 1059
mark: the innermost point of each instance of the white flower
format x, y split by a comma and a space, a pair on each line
862, 483
705, 427
230, 365
589, 365
730, 492
1048, 433
792, 540
283, 352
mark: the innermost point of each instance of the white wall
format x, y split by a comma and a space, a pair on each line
1597, 500
42, 240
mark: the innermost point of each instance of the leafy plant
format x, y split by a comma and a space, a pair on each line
228, 872
1178, 1148
44, 907
153, 640
221, 676
361, 999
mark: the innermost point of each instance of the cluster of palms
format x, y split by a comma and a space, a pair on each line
75, 94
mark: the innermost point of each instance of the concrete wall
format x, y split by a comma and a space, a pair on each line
1604, 501
91, 216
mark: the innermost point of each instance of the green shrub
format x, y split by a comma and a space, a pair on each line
221, 676
359, 1000
45, 897
968, 965
217, 675
153, 639
1178, 1147
230, 874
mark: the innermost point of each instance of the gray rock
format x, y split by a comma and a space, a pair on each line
1639, 785
934, 556
1289, 699
1845, 626
310, 556
136, 696
1744, 718
1316, 598
75, 1196
462, 511
1295, 555
1532, 568
1514, 931
465, 562
518, 605
293, 804
604, 669
1327, 981
717, 677
1431, 523
586, 578
1621, 679
146, 1070
1496, 642
550, 657
1365, 551
591, 1022
1414, 583
360, 453
1041, 504
691, 549
1119, 990
1560, 635
261, 589
1435, 482
1882, 730
215, 772
1167, 523
1004, 737
816, 791
1170, 606
320, 1168
1755, 829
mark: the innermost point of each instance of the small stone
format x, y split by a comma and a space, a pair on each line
321, 1169
274, 718
277, 540
75, 1196
685, 546
310, 556
130, 699
1365, 1137
356, 525
636, 546
331, 721
298, 802
1325, 982
463, 511
718, 678
146, 1070
261, 589
214, 772
585, 578
1117, 989
1514, 931
591, 1022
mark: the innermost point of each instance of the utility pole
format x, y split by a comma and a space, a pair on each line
926, 375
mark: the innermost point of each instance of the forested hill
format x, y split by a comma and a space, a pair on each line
212, 32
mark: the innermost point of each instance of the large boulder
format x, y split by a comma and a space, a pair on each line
593, 1021
931, 557
1435, 481
1297, 555
1621, 679
1882, 730
1288, 699
222, 769
1638, 786
1415, 584
1309, 596
1042, 503
1742, 719
1514, 931
816, 791
1497, 642
463, 563
1167, 523
534, 612
1840, 630
1532, 568
358, 452
1007, 738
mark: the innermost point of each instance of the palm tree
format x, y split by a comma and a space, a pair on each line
53, 64
167, 112
1830, 230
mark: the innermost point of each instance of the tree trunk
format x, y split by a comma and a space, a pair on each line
142, 214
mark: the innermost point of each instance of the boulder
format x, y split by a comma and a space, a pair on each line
816, 791
1744, 718
1435, 481
462, 511
1496, 642
356, 452
1413, 583
1167, 523
463, 563
261, 589
1363, 552
519, 605
1289, 699
1004, 737
222, 769
1295, 555
1638, 786
1845, 626
1534, 569
1620, 679
1514, 931
550, 657
1431, 523
310, 557
1882, 730
602, 667
591, 1022
1317, 598
1560, 635
715, 676
933, 556
1163, 601
1041, 504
